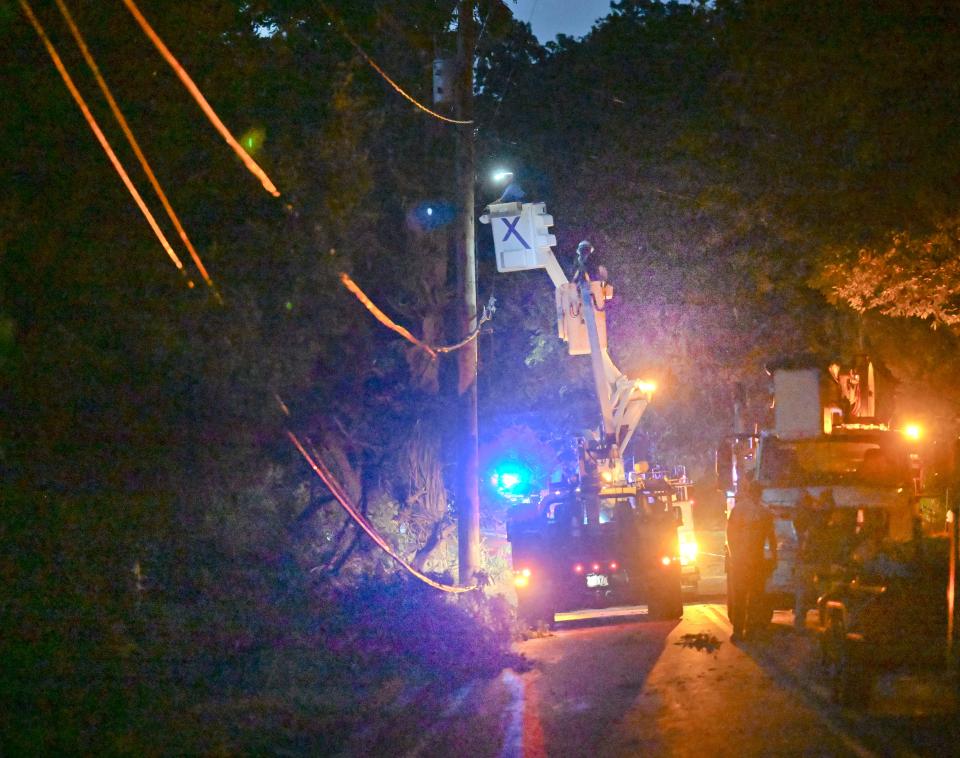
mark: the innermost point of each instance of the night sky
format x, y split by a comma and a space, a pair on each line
548, 18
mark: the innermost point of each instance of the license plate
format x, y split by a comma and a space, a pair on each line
597, 580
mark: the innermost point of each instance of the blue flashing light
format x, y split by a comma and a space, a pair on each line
509, 480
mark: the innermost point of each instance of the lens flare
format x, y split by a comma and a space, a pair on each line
253, 139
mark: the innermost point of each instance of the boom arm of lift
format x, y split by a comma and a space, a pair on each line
622, 400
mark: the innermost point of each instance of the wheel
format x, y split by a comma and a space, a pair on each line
665, 601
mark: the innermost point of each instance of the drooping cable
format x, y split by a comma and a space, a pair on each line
488, 310
327, 477
192, 88
104, 143
382, 317
135, 145
341, 27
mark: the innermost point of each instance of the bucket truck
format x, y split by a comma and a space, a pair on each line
607, 536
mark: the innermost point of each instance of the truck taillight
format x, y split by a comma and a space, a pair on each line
613, 565
578, 568
521, 578
595, 567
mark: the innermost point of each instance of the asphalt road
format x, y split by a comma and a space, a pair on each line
609, 686
611, 683
634, 688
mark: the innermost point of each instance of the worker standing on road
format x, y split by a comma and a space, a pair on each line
749, 530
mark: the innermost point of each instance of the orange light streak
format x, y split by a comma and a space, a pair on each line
64, 74
192, 88
382, 317
125, 126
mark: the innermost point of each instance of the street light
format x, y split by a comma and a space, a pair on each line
513, 192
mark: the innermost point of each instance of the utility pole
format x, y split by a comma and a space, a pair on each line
468, 495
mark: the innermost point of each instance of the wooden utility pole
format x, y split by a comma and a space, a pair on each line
468, 495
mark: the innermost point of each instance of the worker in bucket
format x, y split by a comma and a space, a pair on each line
750, 533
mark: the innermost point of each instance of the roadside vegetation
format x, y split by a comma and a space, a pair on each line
210, 653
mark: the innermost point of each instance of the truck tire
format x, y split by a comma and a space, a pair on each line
665, 601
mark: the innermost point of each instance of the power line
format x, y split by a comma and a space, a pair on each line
192, 88
340, 26
331, 483
104, 143
382, 317
488, 310
148, 170
312, 457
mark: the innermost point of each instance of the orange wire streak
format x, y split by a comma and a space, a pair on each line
125, 126
192, 88
382, 317
334, 486
346, 35
28, 11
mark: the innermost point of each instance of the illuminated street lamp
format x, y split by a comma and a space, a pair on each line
513, 192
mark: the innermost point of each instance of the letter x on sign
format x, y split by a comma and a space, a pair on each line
512, 229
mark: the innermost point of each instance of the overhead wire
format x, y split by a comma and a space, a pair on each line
483, 26
135, 145
192, 88
341, 27
101, 138
316, 463
312, 457
488, 310
382, 317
